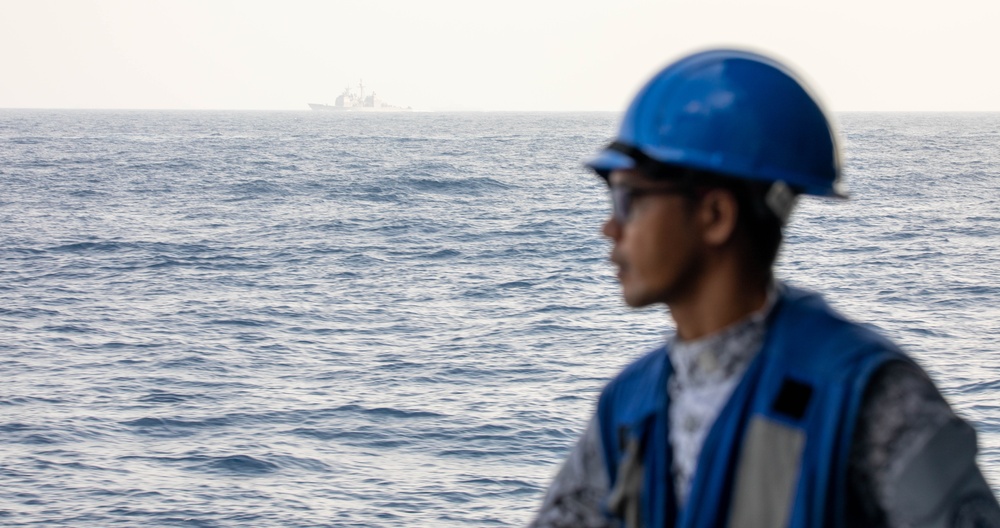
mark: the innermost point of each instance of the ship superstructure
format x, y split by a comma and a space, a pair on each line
351, 100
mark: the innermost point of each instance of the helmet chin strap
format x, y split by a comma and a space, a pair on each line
781, 199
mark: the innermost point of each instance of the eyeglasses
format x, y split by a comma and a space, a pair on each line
622, 197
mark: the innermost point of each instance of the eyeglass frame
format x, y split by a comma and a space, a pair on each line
622, 197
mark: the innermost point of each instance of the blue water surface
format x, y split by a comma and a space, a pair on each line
313, 319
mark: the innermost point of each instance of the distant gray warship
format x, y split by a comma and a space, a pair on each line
351, 101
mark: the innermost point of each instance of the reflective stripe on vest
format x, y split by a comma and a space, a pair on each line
769, 467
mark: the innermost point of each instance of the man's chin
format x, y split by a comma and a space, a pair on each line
636, 300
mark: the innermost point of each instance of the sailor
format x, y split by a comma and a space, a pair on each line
766, 408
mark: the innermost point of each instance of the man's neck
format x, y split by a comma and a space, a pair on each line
716, 301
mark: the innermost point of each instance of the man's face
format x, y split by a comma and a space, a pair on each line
656, 246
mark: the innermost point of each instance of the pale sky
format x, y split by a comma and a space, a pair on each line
860, 55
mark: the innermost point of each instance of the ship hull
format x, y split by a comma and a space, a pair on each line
332, 108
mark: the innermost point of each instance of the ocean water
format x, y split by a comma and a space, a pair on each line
308, 319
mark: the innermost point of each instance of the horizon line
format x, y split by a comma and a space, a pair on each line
455, 111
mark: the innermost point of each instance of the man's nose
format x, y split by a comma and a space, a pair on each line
611, 228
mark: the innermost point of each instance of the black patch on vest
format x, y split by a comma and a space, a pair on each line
793, 399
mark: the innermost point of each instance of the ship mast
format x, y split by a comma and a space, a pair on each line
361, 88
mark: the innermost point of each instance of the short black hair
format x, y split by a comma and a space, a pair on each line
760, 228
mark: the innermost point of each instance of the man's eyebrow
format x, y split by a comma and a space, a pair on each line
620, 177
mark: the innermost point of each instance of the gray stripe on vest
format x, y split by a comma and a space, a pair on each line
766, 478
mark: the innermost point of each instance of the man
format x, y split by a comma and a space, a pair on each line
767, 408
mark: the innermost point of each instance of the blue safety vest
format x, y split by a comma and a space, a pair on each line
777, 453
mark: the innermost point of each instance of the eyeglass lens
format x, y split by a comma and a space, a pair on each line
621, 203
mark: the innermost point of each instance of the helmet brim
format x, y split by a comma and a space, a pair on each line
609, 160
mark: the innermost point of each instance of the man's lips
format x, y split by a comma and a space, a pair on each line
619, 264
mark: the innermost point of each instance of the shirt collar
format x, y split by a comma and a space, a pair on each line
722, 354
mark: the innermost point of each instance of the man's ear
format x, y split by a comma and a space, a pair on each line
718, 212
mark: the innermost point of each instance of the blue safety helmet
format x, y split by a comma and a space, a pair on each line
733, 113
